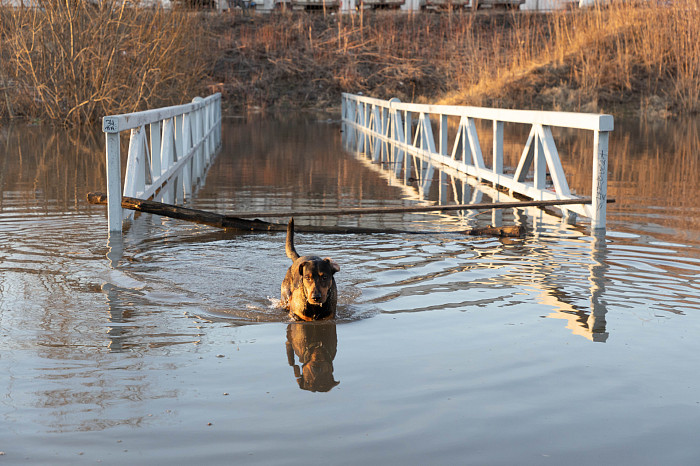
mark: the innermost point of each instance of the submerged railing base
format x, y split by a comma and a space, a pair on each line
170, 150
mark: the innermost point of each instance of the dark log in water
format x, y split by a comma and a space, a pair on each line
237, 223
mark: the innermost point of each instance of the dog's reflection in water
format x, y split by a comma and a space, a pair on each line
315, 345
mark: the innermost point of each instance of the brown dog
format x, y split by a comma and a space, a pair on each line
308, 289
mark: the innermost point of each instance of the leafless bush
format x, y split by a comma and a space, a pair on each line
74, 61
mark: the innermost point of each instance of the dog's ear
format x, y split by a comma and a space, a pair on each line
334, 265
301, 268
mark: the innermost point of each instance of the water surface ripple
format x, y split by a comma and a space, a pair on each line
167, 344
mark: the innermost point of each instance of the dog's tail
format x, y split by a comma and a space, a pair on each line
289, 245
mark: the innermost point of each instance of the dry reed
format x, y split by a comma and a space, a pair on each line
644, 57
75, 61
629, 54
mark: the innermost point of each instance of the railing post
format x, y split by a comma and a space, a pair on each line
155, 147
167, 155
497, 150
443, 135
540, 166
180, 151
408, 135
600, 179
210, 131
349, 114
201, 132
207, 140
198, 134
427, 144
376, 141
497, 167
367, 119
197, 137
361, 135
385, 146
217, 111
187, 171
114, 182
135, 178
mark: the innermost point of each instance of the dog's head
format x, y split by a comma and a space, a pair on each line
317, 279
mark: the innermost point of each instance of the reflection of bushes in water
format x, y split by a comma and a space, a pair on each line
60, 165
315, 166
75, 62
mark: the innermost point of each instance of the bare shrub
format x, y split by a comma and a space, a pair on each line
75, 61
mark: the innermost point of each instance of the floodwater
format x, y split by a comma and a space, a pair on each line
166, 346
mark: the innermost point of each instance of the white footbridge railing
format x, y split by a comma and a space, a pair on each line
170, 150
387, 129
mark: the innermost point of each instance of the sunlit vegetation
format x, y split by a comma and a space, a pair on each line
76, 61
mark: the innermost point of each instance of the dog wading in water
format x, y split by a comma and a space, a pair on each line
308, 289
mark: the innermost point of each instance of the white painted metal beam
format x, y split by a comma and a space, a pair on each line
590, 121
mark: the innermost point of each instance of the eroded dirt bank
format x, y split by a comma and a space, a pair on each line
628, 59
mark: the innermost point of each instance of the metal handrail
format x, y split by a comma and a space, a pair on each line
170, 149
385, 124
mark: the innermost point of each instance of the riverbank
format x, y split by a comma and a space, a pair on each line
626, 59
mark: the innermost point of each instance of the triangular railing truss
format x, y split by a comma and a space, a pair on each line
403, 135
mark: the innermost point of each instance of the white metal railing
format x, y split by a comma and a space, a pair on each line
170, 149
383, 125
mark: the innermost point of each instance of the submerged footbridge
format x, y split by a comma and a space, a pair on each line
171, 148
412, 145
402, 136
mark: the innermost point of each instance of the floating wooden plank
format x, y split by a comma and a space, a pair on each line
236, 223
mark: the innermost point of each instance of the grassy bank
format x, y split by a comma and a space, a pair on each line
639, 59
79, 64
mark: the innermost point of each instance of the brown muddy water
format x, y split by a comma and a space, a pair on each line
166, 347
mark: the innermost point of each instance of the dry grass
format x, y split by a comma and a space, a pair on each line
75, 61
644, 57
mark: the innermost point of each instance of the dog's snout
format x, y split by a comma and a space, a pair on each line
315, 294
